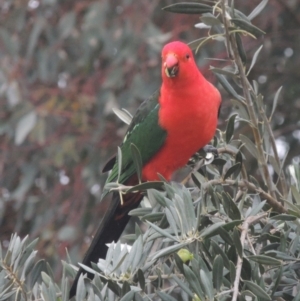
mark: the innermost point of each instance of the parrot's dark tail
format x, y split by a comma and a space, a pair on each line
110, 229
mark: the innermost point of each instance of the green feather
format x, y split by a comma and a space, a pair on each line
145, 133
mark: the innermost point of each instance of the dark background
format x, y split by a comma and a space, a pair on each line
65, 64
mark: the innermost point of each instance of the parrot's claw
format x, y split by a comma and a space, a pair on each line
210, 151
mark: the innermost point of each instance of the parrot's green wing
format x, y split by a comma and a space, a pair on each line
145, 133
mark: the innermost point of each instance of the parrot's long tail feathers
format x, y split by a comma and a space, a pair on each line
110, 229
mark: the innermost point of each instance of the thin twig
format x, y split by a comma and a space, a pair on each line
249, 221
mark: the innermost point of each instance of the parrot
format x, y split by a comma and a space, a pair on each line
169, 127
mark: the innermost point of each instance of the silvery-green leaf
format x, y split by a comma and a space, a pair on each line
128, 297
257, 10
241, 49
146, 185
275, 101
233, 170
24, 127
119, 159
123, 114
249, 145
284, 217
254, 58
263, 259
230, 128
247, 26
207, 285
168, 250
218, 250
165, 297
209, 231
183, 286
163, 232
237, 242
257, 290
137, 160
256, 209
226, 85
217, 272
188, 8
192, 279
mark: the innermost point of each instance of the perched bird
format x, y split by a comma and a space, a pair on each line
168, 128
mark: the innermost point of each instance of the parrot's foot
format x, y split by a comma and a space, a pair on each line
208, 153
211, 149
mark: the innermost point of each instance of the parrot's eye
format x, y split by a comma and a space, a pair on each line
187, 56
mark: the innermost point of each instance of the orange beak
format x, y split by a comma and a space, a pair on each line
171, 65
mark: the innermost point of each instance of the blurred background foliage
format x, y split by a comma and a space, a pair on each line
65, 64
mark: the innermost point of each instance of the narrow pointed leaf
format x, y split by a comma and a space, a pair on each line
80, 291
249, 145
232, 271
296, 194
168, 250
256, 209
257, 290
284, 217
163, 232
257, 10
152, 217
230, 128
209, 231
140, 211
278, 279
137, 160
240, 108
247, 26
165, 297
128, 297
263, 259
183, 286
225, 236
224, 71
217, 272
241, 49
234, 169
239, 157
231, 225
230, 207
218, 250
193, 282
210, 20
275, 101
235, 13
207, 285
188, 8
141, 278
146, 185
237, 242
119, 163
255, 56
226, 85
123, 114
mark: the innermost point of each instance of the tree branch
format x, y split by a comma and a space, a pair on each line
248, 222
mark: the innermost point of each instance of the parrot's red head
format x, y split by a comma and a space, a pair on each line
178, 62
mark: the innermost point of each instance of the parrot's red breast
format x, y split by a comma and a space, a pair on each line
188, 111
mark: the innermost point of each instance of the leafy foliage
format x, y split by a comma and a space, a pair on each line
231, 233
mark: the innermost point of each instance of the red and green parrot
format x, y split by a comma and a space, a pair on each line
168, 128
